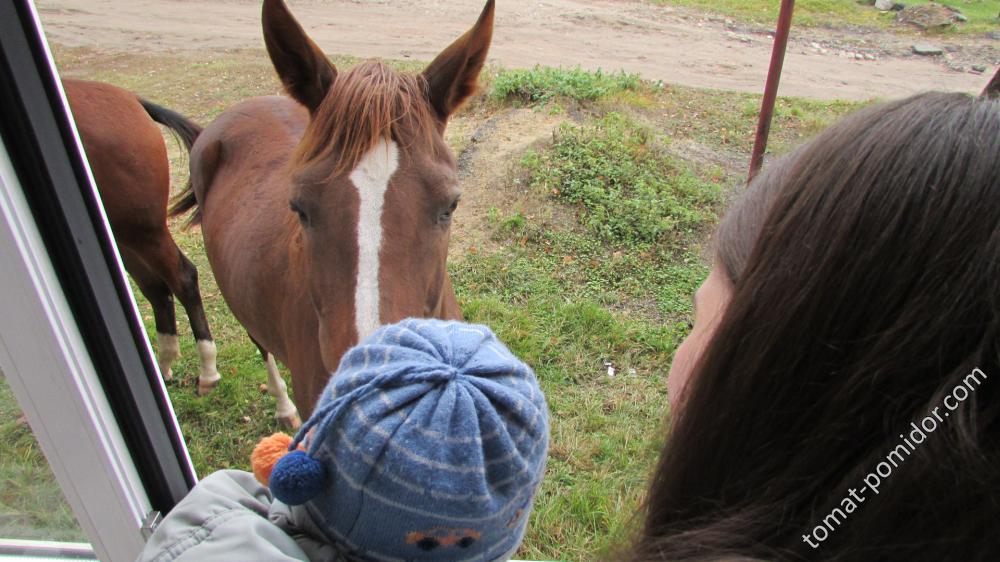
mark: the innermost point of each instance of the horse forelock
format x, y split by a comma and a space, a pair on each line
366, 105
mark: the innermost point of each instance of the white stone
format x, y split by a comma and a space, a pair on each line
926, 49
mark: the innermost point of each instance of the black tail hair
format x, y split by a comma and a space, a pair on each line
187, 131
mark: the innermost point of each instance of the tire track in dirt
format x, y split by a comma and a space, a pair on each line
487, 170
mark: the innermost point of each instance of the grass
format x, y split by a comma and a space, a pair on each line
726, 121
542, 84
31, 505
629, 191
982, 14
592, 265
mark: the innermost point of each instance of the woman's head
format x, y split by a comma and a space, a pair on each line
734, 241
864, 286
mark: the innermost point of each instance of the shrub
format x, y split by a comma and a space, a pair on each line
542, 84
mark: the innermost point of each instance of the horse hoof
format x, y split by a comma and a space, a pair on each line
290, 422
206, 387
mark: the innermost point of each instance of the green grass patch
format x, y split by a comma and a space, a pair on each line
726, 121
542, 84
630, 191
31, 505
982, 14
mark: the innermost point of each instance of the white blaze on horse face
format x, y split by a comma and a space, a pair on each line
371, 178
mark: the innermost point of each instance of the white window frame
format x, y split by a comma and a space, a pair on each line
115, 491
54, 381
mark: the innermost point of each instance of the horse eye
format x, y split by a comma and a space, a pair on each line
446, 215
298, 211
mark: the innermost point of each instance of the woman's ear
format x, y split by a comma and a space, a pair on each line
454, 74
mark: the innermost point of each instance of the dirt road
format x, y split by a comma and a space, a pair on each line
661, 43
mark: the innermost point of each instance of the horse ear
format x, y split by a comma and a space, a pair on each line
302, 67
454, 74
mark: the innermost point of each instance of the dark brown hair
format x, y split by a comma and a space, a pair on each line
738, 229
872, 289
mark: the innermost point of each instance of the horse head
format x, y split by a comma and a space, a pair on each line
373, 186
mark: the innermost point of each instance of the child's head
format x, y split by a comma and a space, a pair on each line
429, 443
861, 286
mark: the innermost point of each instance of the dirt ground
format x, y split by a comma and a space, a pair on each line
660, 43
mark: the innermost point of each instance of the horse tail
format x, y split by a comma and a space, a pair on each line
187, 131
183, 128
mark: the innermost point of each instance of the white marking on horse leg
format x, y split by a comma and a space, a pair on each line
286, 412
371, 178
209, 377
167, 349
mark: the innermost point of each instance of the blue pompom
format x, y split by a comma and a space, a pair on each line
297, 478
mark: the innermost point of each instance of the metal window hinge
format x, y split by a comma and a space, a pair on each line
150, 523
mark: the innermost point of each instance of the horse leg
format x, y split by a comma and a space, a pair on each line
286, 413
190, 296
182, 277
158, 294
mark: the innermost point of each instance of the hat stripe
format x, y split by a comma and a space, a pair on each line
469, 330
487, 389
456, 440
504, 510
382, 432
373, 463
373, 426
451, 440
419, 458
436, 494
370, 461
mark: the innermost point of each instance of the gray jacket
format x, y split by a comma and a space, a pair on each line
231, 516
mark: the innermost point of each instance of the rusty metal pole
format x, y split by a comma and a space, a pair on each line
771, 88
992, 90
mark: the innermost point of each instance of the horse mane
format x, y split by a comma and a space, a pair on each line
366, 104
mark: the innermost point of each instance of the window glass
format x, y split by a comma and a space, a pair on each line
31, 504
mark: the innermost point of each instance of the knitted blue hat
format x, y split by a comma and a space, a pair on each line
428, 443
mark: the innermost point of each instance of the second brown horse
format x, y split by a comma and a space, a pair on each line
328, 214
128, 158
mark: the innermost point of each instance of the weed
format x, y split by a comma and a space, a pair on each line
542, 84
631, 193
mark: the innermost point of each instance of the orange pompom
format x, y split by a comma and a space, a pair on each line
266, 454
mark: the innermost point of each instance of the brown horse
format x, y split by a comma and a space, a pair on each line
328, 214
129, 161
